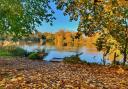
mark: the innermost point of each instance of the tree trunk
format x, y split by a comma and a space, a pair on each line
114, 60
124, 59
125, 54
126, 44
104, 61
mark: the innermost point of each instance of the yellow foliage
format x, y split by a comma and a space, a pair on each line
112, 52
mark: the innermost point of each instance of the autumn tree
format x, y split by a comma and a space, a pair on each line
119, 27
97, 15
109, 47
20, 17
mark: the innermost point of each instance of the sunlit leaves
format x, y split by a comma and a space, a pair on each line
98, 15
20, 17
112, 52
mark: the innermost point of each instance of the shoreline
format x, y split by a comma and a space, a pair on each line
37, 74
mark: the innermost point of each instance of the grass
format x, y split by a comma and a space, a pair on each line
4, 53
11, 51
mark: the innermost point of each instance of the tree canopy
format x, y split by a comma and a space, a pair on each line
93, 14
107, 17
20, 17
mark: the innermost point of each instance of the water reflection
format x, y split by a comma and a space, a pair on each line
90, 53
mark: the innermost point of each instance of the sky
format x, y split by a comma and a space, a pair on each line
61, 22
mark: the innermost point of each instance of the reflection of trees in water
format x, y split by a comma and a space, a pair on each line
91, 48
63, 44
49, 43
65, 41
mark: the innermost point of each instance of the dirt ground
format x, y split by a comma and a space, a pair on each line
22, 73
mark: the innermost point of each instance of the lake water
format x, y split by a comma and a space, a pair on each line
90, 54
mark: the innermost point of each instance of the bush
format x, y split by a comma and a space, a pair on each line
18, 51
33, 56
72, 59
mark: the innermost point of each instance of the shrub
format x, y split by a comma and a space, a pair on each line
33, 56
18, 51
72, 59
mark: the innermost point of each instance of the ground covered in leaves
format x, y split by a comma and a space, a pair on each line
28, 74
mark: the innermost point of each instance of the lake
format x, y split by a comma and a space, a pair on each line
89, 53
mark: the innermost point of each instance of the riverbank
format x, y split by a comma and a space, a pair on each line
23, 73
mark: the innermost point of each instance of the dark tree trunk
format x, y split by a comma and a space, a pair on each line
114, 60
104, 61
125, 54
126, 43
124, 59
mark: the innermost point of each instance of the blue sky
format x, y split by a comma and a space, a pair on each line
61, 22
